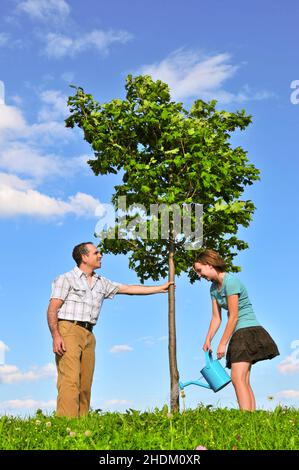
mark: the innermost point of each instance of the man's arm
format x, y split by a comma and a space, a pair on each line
144, 290
58, 343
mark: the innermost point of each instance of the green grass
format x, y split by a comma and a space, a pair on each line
214, 428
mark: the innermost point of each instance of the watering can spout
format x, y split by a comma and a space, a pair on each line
193, 382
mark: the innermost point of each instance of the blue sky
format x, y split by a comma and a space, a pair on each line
243, 55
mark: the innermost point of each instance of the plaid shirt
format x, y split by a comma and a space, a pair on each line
82, 302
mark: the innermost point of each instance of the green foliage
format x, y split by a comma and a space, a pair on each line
212, 428
169, 155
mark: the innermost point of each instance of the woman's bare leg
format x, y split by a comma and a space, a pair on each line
253, 405
240, 379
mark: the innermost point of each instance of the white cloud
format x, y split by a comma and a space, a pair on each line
13, 125
2, 94
11, 119
27, 403
48, 132
7, 41
49, 128
3, 349
25, 164
18, 198
68, 76
12, 374
81, 161
116, 402
25, 159
288, 394
290, 365
55, 105
59, 46
245, 94
17, 100
84, 204
147, 340
191, 74
14, 203
14, 181
45, 10
121, 348
3, 346
4, 39
151, 340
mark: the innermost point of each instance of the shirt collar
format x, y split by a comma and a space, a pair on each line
80, 273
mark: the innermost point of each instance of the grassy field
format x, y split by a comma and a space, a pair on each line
213, 428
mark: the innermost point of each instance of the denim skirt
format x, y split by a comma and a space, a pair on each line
250, 344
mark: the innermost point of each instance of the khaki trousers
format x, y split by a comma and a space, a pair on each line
75, 370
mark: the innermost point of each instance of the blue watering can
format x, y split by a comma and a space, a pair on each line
213, 372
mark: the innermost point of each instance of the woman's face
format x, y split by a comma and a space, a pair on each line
205, 270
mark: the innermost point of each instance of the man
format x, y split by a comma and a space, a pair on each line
74, 307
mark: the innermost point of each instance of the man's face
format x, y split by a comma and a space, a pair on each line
93, 258
204, 270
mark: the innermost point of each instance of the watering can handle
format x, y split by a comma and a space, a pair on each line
208, 358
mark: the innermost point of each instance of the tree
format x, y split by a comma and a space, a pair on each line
168, 155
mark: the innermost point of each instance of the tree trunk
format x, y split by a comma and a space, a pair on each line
174, 374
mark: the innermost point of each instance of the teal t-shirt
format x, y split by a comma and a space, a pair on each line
232, 285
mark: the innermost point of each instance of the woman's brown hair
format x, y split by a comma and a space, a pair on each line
211, 257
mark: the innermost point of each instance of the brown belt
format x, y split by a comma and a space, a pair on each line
85, 324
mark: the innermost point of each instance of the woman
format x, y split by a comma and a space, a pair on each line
249, 341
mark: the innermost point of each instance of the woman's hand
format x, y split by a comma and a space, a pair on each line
207, 345
221, 350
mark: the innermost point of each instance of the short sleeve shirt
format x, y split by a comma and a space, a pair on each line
81, 301
232, 285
